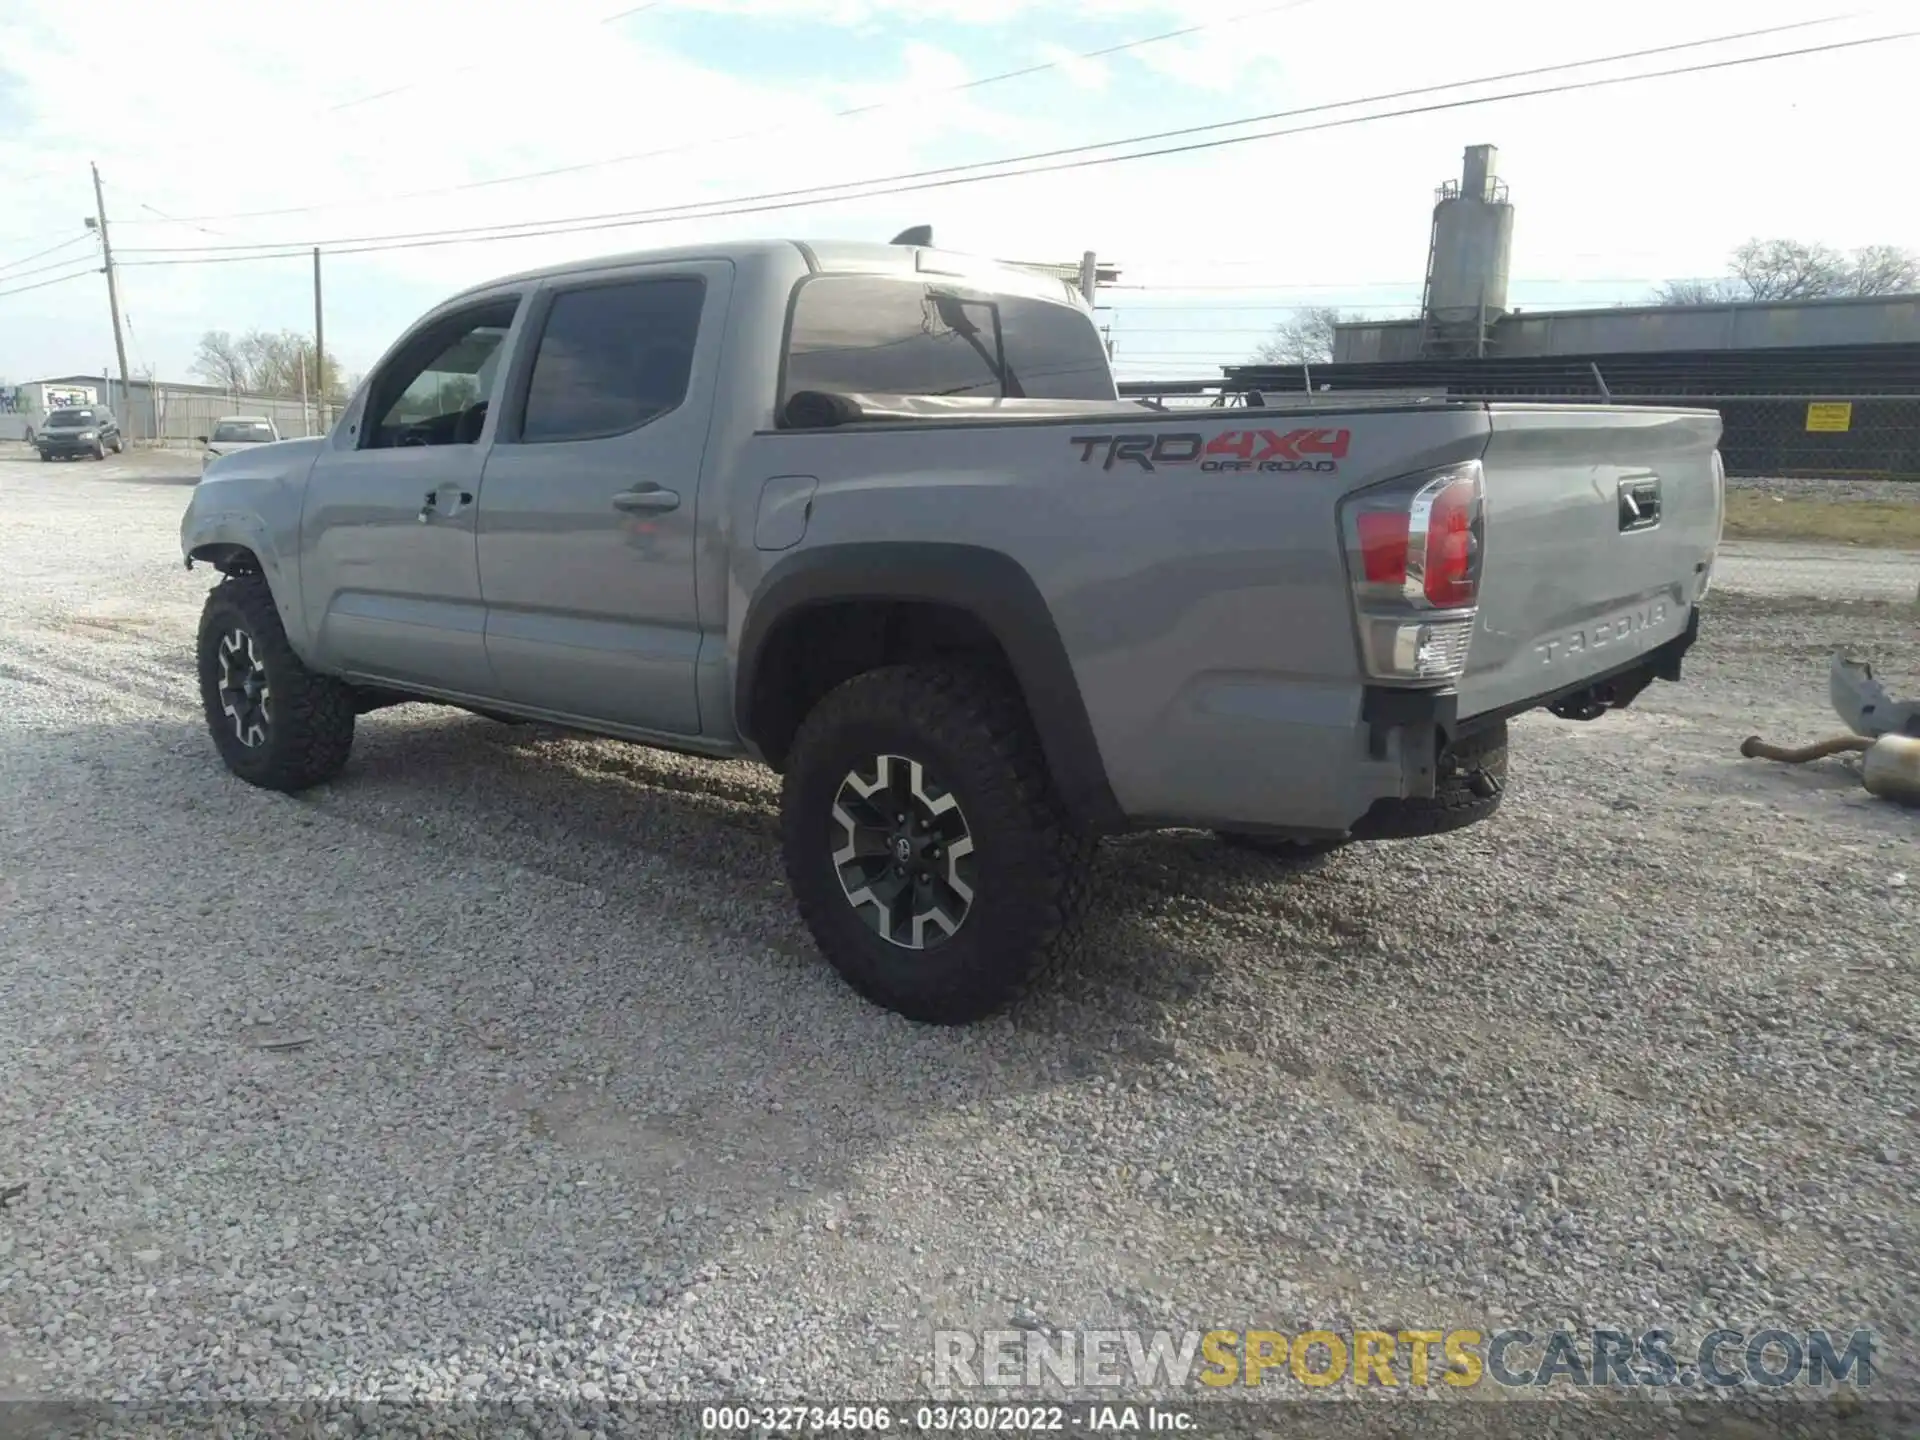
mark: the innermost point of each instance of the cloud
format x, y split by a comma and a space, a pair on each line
254, 108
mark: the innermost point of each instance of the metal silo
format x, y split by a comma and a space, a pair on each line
1468, 260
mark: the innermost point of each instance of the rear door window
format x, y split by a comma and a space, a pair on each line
613, 357
875, 334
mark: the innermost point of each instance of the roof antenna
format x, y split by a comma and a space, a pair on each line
916, 235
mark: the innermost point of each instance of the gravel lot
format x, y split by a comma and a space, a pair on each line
500, 1066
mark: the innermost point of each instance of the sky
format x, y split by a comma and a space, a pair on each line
228, 123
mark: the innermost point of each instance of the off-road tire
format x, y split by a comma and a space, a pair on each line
119, 447
99, 449
309, 730
968, 729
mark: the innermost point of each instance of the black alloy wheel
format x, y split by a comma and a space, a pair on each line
246, 695
903, 852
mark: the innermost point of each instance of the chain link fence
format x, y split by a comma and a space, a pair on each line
181, 417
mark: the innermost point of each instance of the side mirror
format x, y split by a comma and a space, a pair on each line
201, 438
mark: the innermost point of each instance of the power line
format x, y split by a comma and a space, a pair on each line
595, 221
175, 220
582, 167
68, 243
40, 269
781, 200
628, 13
43, 284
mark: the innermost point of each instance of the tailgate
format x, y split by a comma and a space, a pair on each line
1601, 525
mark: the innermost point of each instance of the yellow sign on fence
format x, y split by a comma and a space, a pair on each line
1830, 416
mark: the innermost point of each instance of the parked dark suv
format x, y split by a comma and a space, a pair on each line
88, 430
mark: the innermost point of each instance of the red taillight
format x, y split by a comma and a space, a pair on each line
1449, 577
1414, 557
1383, 546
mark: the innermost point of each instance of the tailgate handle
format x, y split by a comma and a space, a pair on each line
1639, 505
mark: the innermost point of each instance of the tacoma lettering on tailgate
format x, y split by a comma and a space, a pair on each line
1602, 632
1262, 451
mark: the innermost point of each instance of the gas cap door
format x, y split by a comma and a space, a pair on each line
786, 504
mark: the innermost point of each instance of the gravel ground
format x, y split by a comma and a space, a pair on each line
500, 1066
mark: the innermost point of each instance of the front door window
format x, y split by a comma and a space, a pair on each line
436, 391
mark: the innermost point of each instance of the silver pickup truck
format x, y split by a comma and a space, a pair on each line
875, 516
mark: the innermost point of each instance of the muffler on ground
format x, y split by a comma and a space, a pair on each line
1889, 765
1886, 734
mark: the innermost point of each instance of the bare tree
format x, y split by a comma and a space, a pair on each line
1305, 339
1795, 270
1885, 270
265, 362
219, 361
1789, 270
1695, 292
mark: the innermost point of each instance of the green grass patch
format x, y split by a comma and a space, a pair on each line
1883, 524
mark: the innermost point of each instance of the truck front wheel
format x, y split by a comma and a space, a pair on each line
276, 723
924, 843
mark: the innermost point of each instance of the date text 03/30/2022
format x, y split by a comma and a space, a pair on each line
937, 1419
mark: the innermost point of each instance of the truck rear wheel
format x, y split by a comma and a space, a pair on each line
924, 843
276, 723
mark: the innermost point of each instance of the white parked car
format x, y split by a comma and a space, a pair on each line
236, 432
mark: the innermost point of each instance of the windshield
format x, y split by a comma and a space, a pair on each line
67, 419
236, 432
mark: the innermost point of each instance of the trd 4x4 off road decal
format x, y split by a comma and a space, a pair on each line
1263, 451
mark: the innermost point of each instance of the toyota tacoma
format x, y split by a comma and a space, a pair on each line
875, 516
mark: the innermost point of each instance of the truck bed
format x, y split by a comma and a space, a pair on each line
1194, 563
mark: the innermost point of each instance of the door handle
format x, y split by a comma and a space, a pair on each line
647, 497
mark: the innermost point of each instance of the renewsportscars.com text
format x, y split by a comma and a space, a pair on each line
1461, 1358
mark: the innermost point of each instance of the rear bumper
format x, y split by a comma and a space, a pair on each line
1385, 709
1281, 756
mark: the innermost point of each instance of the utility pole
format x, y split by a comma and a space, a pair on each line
319, 346
1089, 275
125, 407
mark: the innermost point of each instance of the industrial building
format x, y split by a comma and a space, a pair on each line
1805, 387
